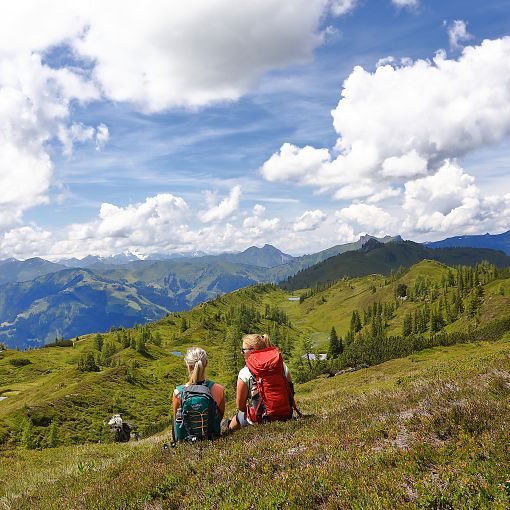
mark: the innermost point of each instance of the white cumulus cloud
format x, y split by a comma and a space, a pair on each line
341, 7
400, 123
23, 242
297, 163
366, 216
224, 209
194, 53
34, 109
102, 136
172, 55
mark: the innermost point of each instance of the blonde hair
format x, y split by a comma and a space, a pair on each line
196, 361
255, 341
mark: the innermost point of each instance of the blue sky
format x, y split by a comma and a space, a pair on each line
213, 125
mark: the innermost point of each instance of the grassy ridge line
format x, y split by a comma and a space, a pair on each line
426, 431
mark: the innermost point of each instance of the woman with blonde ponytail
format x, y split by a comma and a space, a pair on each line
196, 363
247, 395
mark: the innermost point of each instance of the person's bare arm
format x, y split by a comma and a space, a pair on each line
221, 406
175, 404
241, 395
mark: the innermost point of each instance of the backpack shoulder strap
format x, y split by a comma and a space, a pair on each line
197, 389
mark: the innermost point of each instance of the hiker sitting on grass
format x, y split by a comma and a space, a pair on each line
198, 405
264, 386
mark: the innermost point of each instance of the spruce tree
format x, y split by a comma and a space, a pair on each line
98, 342
157, 340
306, 348
53, 440
407, 326
233, 359
27, 436
334, 344
87, 363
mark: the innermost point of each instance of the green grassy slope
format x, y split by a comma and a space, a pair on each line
49, 387
427, 431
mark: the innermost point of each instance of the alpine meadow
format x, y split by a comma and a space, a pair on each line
420, 398
255, 255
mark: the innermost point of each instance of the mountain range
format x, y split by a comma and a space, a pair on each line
493, 242
42, 300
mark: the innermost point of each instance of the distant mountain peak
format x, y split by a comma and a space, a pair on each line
268, 248
371, 244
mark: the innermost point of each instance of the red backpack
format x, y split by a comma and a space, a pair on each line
276, 400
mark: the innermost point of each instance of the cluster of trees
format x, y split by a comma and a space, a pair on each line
243, 316
29, 440
459, 292
60, 342
372, 350
375, 317
275, 314
336, 346
105, 349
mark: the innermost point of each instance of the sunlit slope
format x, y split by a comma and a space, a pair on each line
426, 431
333, 305
46, 386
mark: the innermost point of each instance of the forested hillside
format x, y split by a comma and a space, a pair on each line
378, 258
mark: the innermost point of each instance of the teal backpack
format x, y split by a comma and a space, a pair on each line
197, 417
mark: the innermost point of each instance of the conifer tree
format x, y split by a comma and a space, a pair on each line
140, 345
108, 350
87, 363
126, 341
349, 337
157, 340
356, 321
234, 359
307, 347
27, 436
335, 345
53, 440
98, 342
407, 326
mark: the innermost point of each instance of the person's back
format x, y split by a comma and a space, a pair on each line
275, 400
199, 404
264, 385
